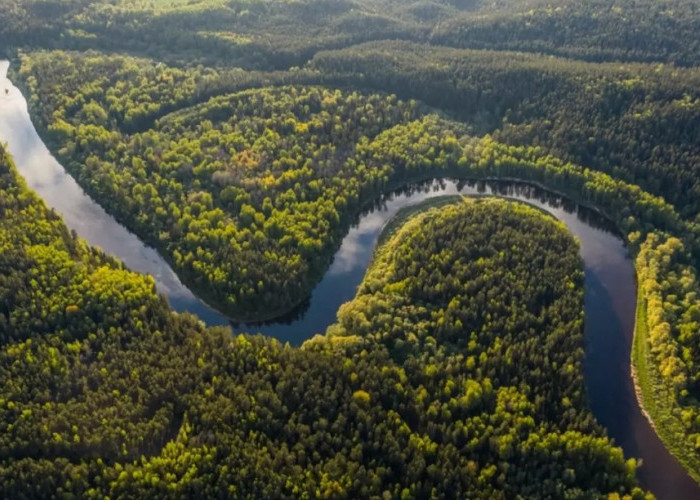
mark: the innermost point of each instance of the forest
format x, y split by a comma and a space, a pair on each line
243, 139
281, 34
115, 395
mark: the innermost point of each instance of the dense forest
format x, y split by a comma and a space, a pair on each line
106, 392
242, 139
638, 122
248, 193
280, 34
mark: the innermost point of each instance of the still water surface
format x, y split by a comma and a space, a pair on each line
610, 290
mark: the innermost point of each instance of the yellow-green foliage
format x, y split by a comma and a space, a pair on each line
109, 393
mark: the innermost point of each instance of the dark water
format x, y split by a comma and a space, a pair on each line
610, 295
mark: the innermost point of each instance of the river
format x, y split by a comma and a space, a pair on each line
609, 300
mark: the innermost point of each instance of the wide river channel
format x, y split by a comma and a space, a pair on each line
610, 289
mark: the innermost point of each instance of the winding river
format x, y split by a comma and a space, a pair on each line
610, 290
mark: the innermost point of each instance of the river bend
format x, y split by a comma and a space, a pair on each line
609, 300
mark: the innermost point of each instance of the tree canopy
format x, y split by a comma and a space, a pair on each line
242, 139
106, 392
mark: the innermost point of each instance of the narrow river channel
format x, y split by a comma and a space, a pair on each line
610, 290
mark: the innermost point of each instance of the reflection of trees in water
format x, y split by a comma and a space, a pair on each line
531, 192
296, 314
425, 187
507, 188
